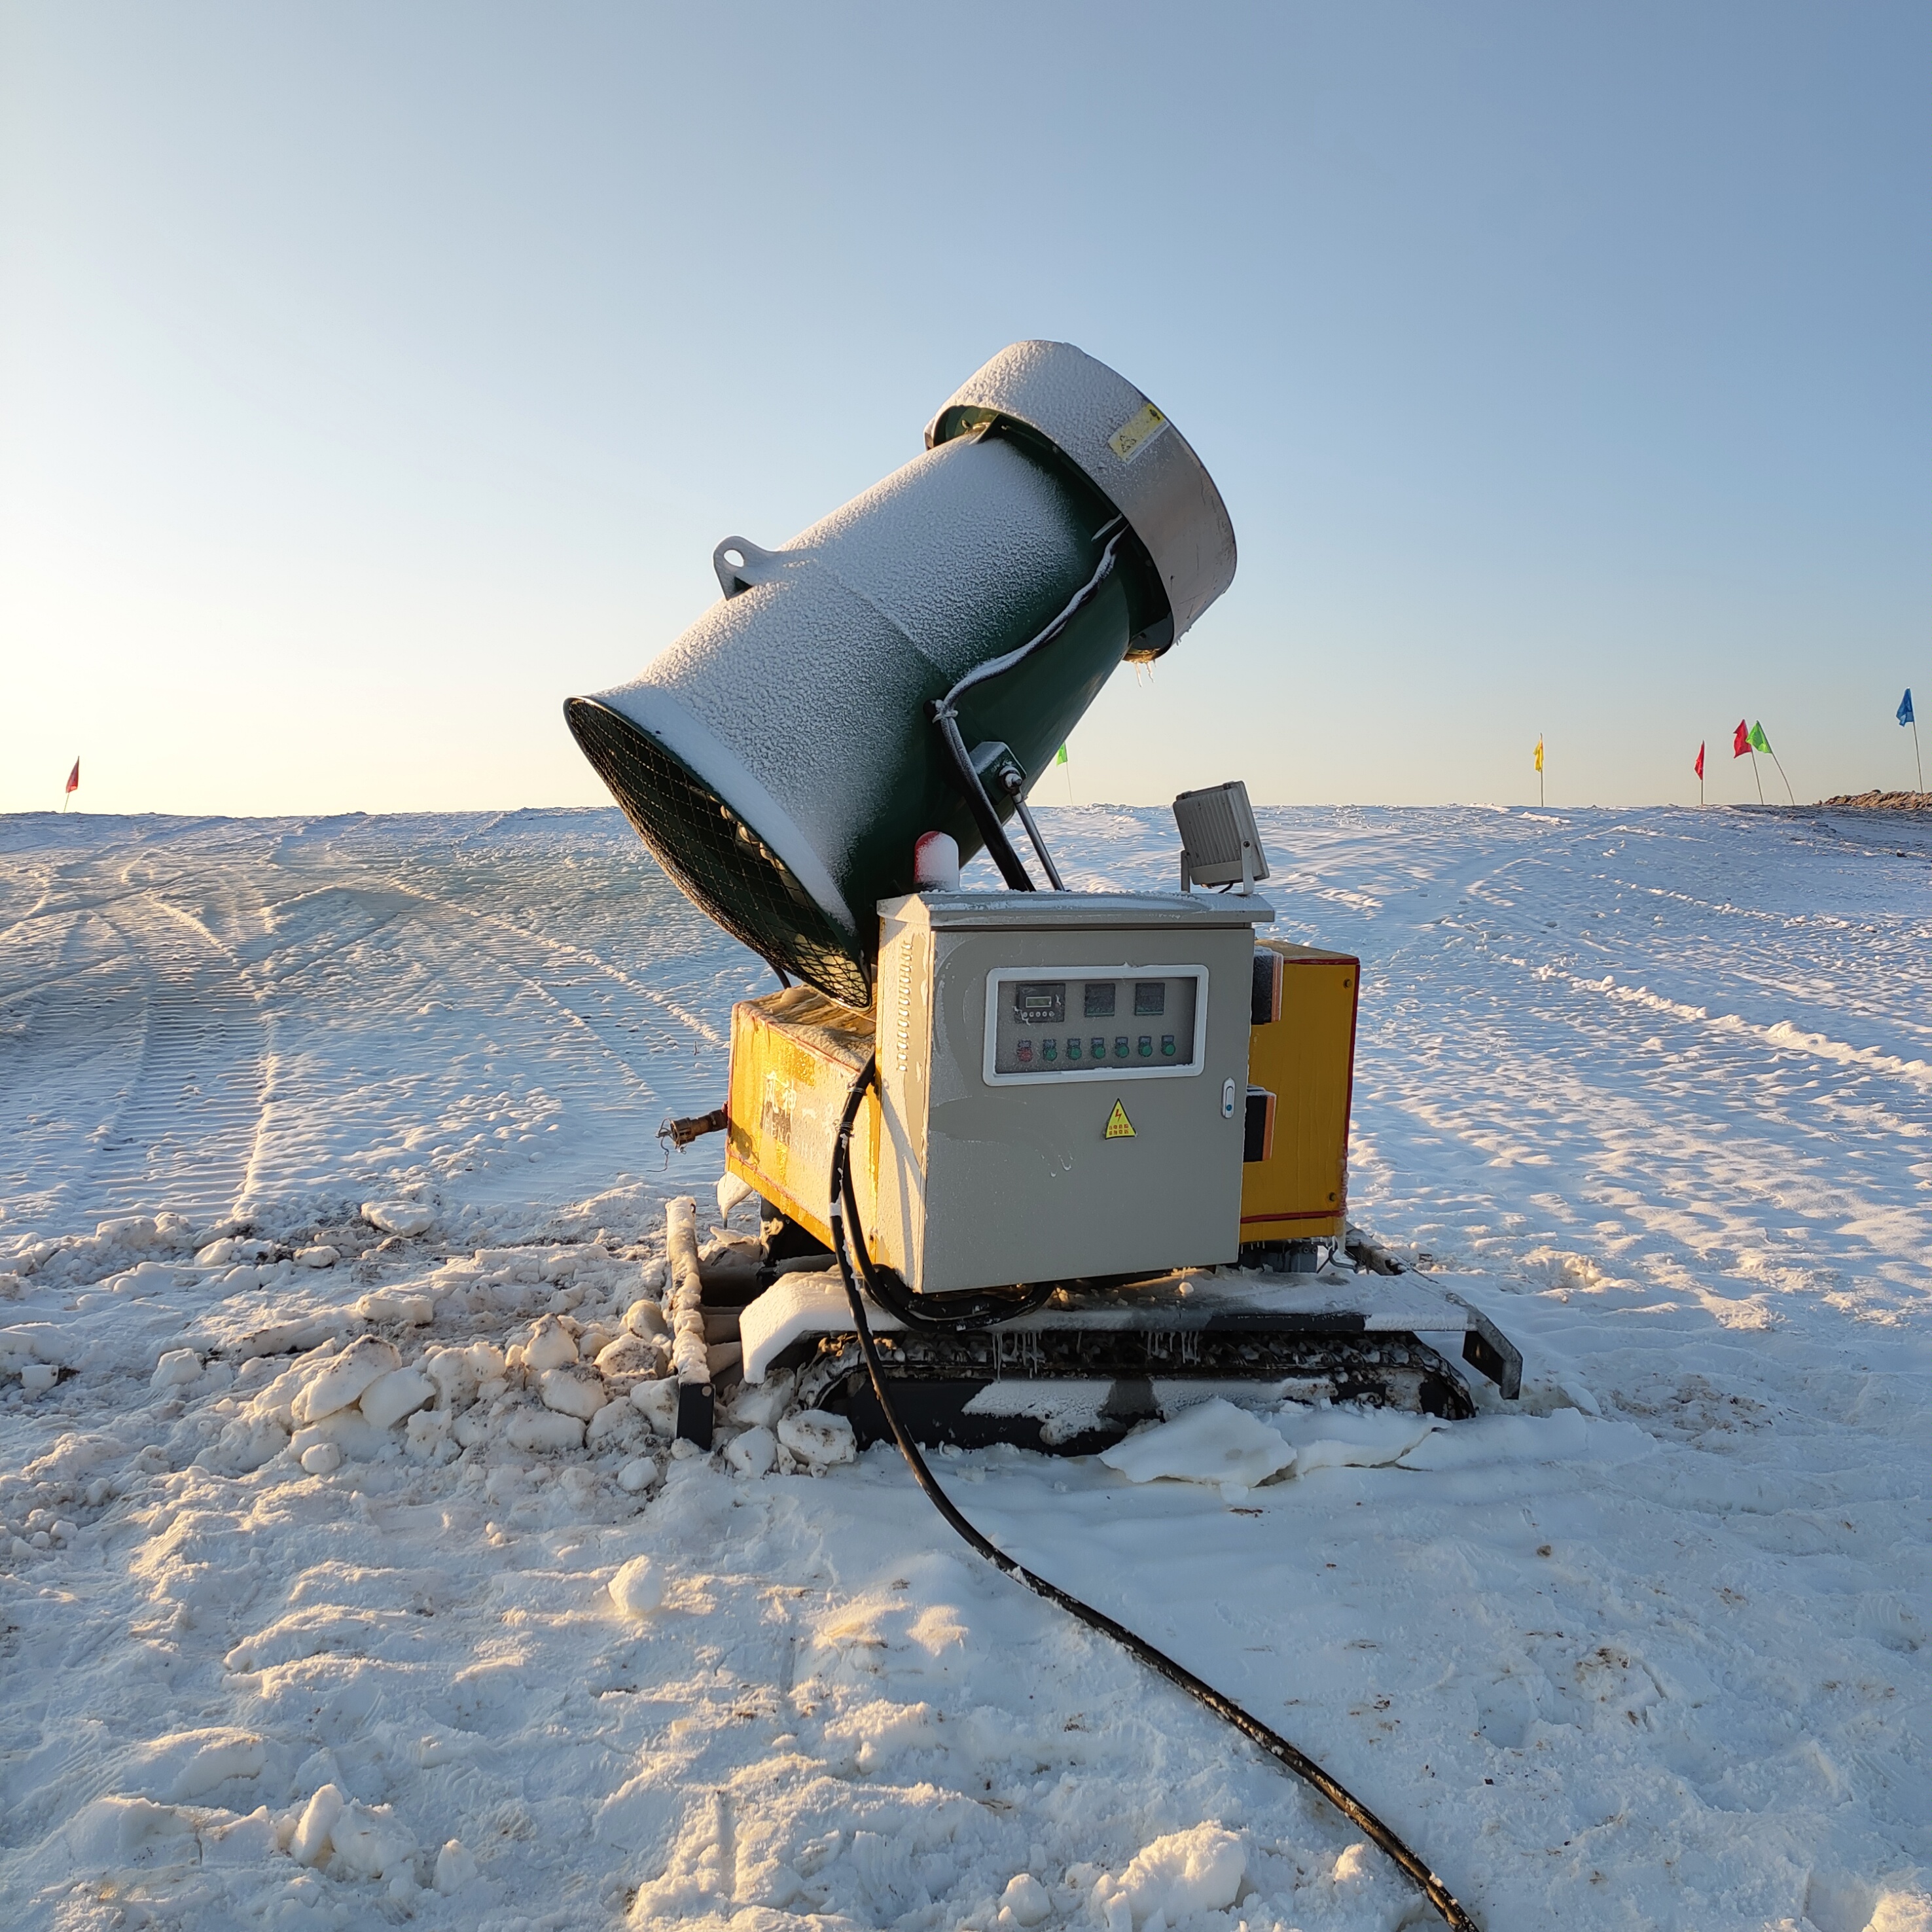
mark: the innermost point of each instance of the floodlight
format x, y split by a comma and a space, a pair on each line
1219, 845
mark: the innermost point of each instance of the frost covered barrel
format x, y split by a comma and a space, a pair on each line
778, 758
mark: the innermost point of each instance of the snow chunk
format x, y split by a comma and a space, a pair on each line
455, 1867
760, 1404
639, 1473
535, 1429
400, 1393
371, 1841
1025, 1898
406, 1218
238, 1841
397, 1305
570, 1393
656, 1402
1352, 1865
637, 1588
131, 1231
345, 1377
1327, 1438
630, 1356
428, 1430
753, 1453
349, 1429
35, 1342
1212, 1442
1176, 1876
1901, 1911
644, 1317
818, 1438
322, 1459
486, 1362
320, 1256
551, 1346
613, 1419
455, 1378
309, 1845
176, 1368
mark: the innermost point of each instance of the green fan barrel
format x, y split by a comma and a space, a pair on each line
779, 759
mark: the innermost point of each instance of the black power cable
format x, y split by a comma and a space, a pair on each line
844, 1204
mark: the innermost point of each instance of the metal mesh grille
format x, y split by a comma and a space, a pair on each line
718, 859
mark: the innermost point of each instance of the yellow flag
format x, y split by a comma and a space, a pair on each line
1539, 755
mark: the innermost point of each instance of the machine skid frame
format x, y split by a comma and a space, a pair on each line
1100, 1358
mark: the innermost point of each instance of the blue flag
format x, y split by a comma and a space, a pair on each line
1905, 707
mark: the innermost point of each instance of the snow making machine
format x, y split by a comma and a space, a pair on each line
1088, 1149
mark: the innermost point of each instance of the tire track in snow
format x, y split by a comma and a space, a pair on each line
185, 1137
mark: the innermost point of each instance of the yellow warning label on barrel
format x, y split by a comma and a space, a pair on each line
1119, 1127
1134, 434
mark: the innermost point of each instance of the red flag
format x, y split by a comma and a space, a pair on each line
1741, 739
1699, 767
72, 779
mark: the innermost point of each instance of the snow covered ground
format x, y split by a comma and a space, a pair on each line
1654, 1088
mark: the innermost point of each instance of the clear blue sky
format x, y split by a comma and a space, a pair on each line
372, 377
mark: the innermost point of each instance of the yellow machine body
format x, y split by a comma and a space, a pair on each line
794, 1056
1301, 1050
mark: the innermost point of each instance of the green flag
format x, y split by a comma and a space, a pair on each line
1759, 742
1059, 757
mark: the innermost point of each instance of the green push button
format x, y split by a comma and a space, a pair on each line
1167, 1045
1147, 1046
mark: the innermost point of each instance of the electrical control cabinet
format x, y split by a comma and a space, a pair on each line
1064, 1079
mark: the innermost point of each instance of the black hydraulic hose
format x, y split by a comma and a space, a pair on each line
945, 713
937, 1314
931, 1314
1115, 533
1277, 1747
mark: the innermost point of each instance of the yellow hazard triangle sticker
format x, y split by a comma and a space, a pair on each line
1119, 1127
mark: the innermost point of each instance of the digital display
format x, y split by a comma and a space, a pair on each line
1150, 999
1100, 1000
1040, 1002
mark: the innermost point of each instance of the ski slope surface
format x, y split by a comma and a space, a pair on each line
288, 1107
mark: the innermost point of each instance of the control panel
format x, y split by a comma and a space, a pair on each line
1093, 1023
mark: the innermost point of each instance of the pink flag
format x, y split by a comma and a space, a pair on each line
72, 779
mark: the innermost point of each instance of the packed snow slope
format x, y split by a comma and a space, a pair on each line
339, 1586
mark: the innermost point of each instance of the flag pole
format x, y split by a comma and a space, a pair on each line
1755, 778
1916, 758
1788, 792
